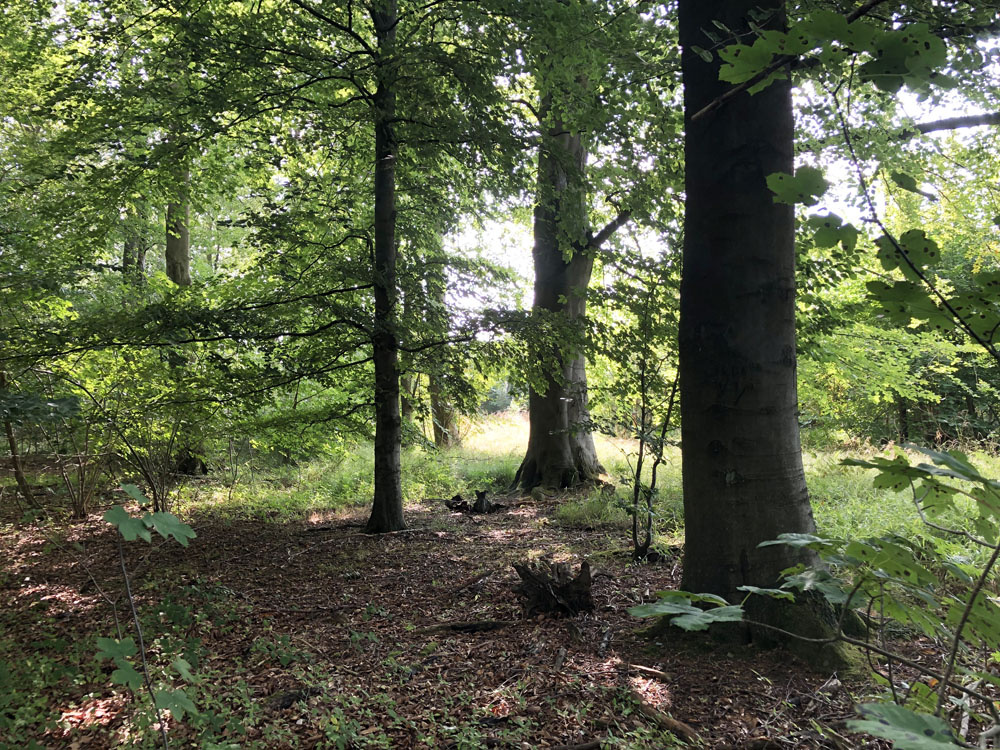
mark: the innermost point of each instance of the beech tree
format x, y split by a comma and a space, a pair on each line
596, 93
742, 463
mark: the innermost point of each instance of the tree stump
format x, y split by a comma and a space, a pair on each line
552, 587
481, 505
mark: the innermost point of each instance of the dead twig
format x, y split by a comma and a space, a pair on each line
478, 626
650, 671
666, 721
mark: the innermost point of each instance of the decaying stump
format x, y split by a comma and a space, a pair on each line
552, 587
481, 505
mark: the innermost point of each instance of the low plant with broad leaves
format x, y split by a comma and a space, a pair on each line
931, 588
129, 657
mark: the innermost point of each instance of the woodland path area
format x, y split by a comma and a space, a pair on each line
313, 634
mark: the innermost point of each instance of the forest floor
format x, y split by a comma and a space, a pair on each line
308, 633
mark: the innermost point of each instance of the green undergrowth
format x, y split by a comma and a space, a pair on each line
846, 504
343, 481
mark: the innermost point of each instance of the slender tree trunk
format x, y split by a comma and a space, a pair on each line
903, 412
387, 506
407, 385
134, 247
560, 450
742, 464
15, 457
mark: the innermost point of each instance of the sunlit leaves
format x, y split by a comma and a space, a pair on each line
912, 55
908, 730
681, 608
830, 230
805, 186
131, 528
175, 701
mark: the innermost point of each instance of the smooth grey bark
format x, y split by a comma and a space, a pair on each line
742, 463
387, 504
560, 450
178, 252
408, 387
443, 417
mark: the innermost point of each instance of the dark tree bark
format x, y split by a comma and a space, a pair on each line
903, 412
742, 464
15, 457
560, 450
387, 505
134, 248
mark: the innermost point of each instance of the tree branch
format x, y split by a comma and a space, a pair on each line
777, 64
953, 123
595, 242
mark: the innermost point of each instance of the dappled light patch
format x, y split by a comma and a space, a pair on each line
310, 631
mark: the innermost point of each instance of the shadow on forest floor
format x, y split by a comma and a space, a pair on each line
315, 635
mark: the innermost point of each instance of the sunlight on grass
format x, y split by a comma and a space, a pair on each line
845, 503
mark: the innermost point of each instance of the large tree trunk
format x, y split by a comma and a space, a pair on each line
560, 449
178, 253
742, 463
387, 506
443, 417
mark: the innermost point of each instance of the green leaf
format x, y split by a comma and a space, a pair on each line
703, 53
702, 619
110, 648
136, 494
176, 702
130, 528
127, 675
914, 245
183, 667
903, 301
830, 230
168, 525
742, 62
905, 728
911, 55
679, 606
773, 593
804, 187
908, 183
824, 26
818, 579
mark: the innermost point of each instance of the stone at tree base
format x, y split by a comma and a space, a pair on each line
551, 587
